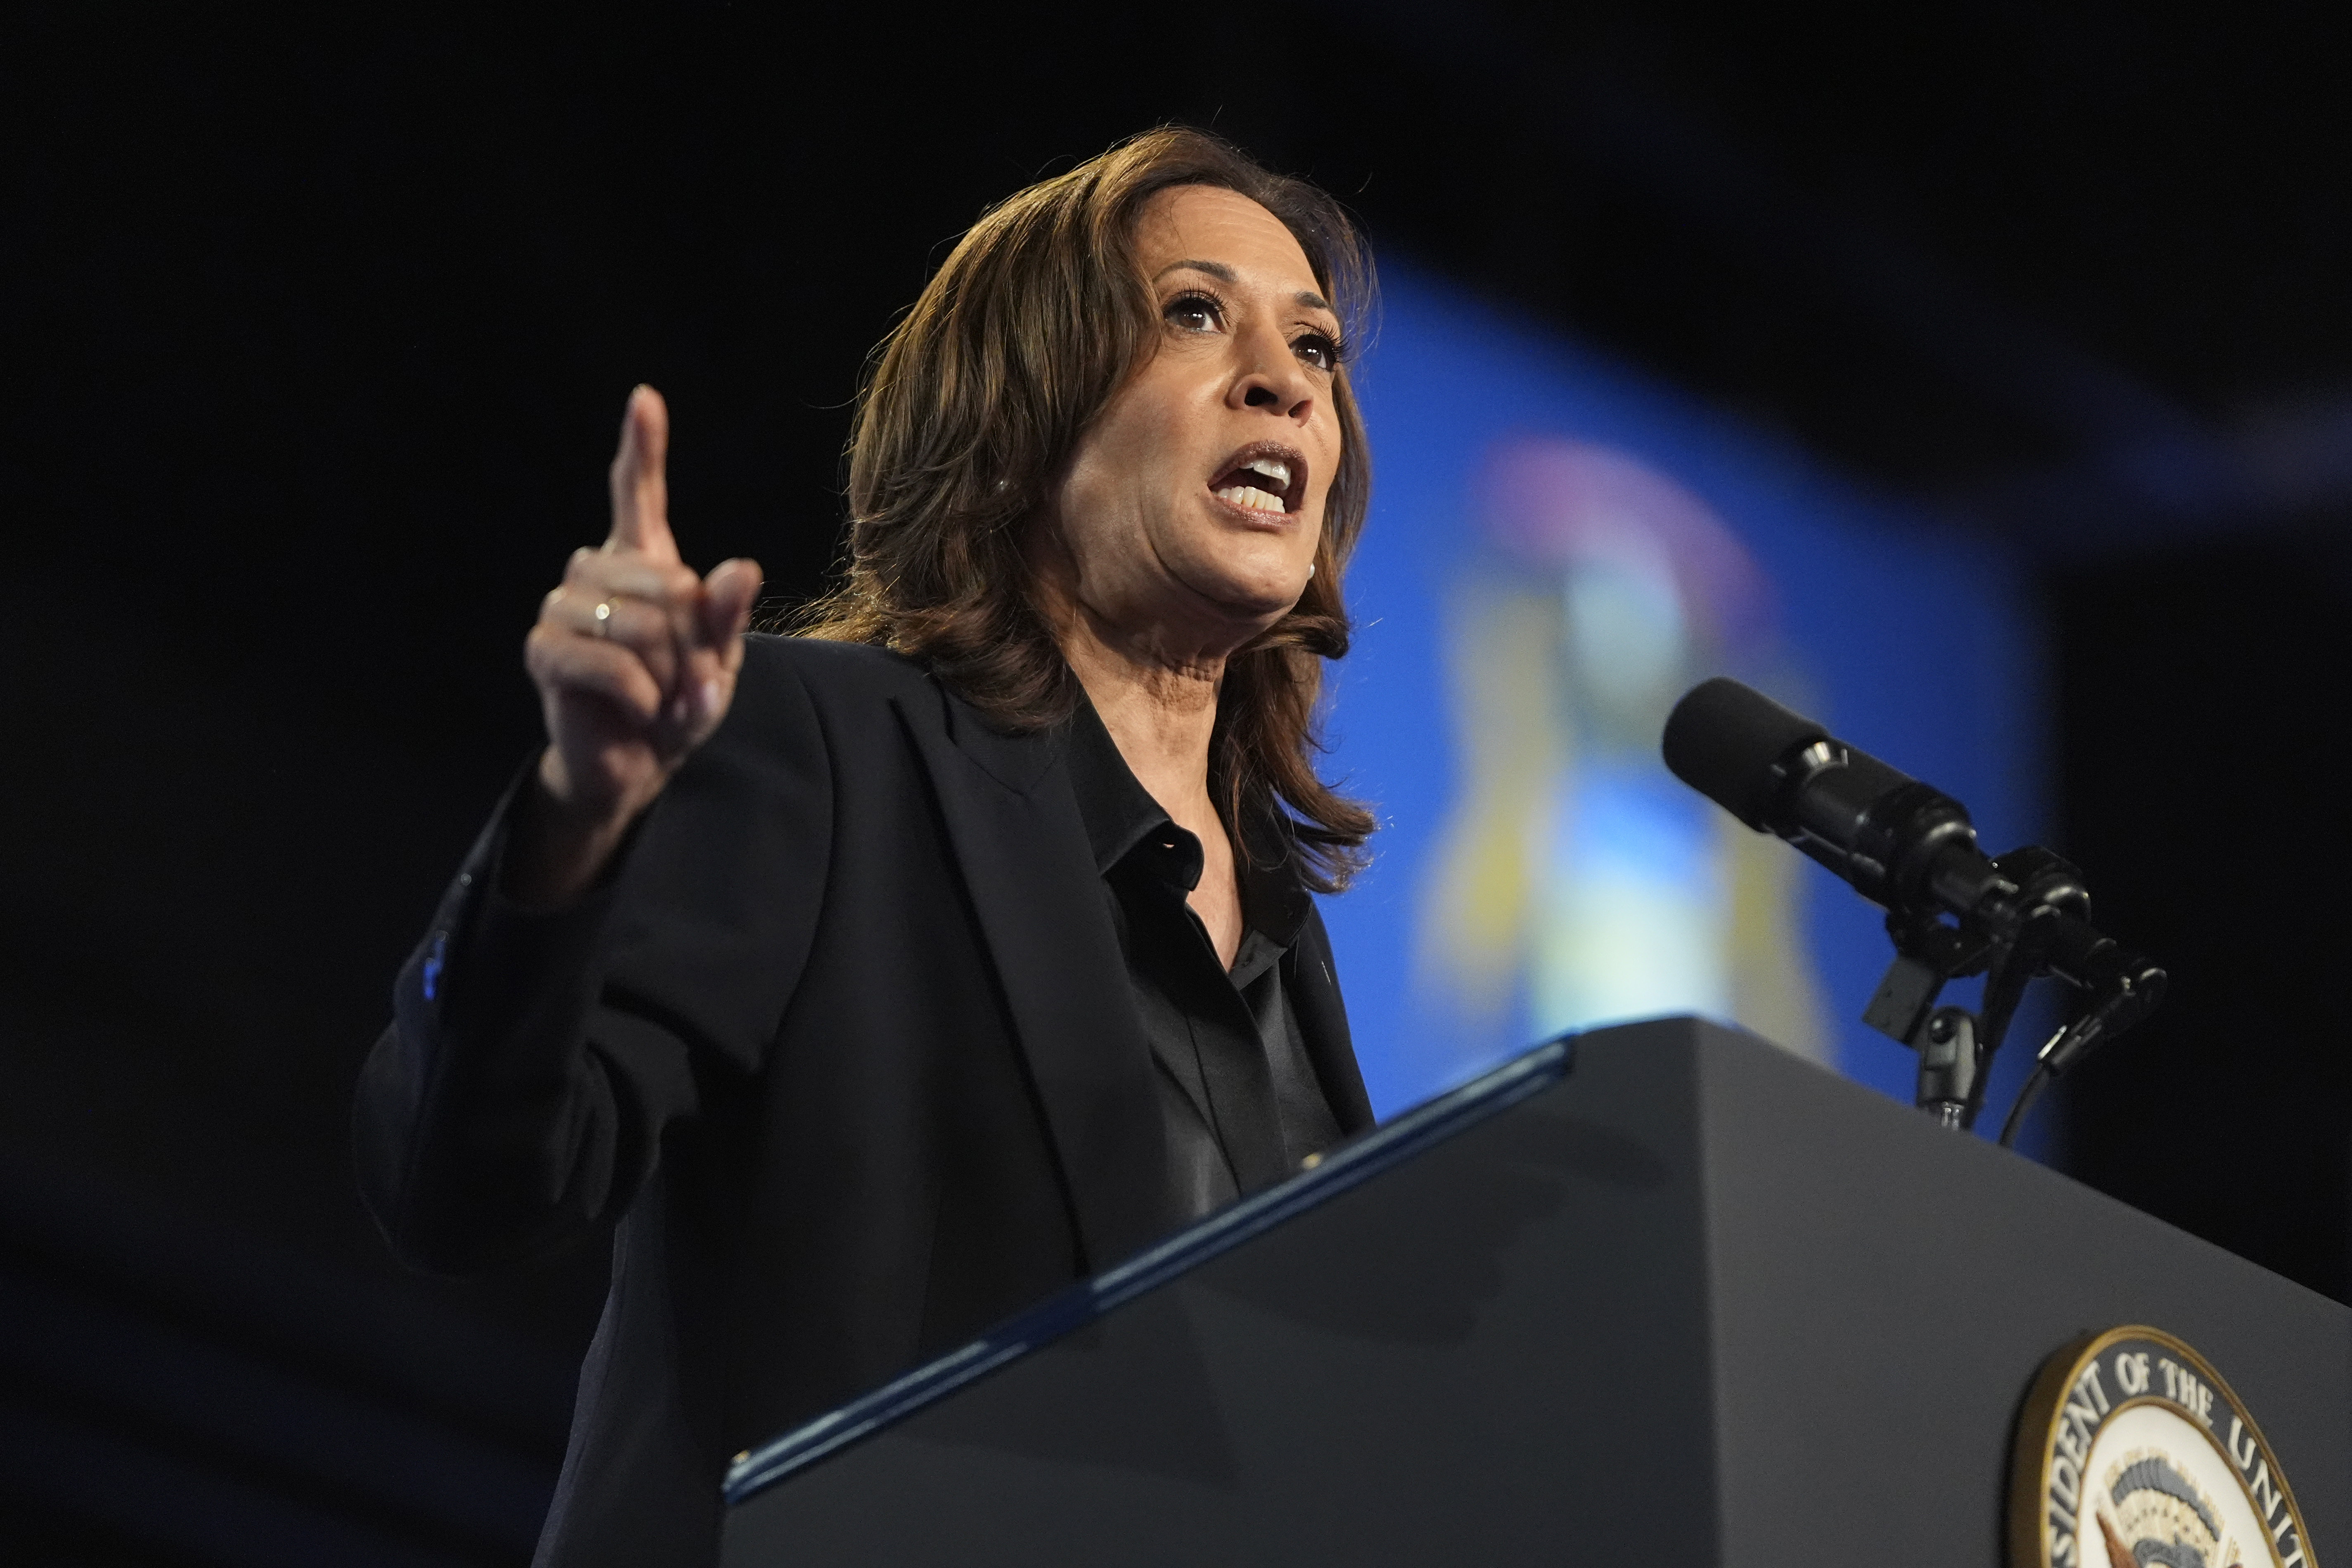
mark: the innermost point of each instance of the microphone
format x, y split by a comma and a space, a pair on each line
1911, 848
1900, 843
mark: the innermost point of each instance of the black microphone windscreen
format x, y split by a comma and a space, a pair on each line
1722, 740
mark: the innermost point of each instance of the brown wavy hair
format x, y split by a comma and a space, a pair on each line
972, 403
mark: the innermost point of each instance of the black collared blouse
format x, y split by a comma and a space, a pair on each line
1238, 1096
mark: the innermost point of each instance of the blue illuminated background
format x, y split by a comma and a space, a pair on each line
1559, 546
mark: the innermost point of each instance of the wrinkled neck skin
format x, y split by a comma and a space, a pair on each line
1152, 672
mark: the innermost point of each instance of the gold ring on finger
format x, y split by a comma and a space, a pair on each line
604, 618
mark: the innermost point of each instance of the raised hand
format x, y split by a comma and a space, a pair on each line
636, 660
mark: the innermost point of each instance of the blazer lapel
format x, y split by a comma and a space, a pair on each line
1015, 830
1314, 999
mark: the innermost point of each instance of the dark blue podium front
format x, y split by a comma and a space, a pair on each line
1659, 1294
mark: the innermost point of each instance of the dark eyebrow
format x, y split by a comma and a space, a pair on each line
1224, 274
1216, 269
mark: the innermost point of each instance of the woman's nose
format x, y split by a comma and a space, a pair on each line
1275, 380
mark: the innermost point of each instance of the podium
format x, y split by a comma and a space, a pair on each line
1656, 1294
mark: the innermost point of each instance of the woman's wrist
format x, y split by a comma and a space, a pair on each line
558, 846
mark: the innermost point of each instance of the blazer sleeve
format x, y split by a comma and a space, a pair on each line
536, 1059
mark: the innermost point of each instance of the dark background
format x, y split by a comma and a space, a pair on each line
315, 331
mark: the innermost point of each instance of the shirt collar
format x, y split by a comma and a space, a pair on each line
1118, 812
1122, 820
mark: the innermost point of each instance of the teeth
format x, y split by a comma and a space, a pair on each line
1274, 468
1250, 497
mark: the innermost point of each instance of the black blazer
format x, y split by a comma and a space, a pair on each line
847, 1043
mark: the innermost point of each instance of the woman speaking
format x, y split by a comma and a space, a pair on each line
885, 978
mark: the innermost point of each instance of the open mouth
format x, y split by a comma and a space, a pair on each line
1262, 478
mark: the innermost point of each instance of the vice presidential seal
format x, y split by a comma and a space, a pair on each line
2133, 1453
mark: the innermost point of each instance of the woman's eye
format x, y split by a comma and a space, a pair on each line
1317, 350
1194, 314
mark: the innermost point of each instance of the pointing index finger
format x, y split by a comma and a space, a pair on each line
640, 478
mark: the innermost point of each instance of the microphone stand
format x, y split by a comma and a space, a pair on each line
2032, 920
